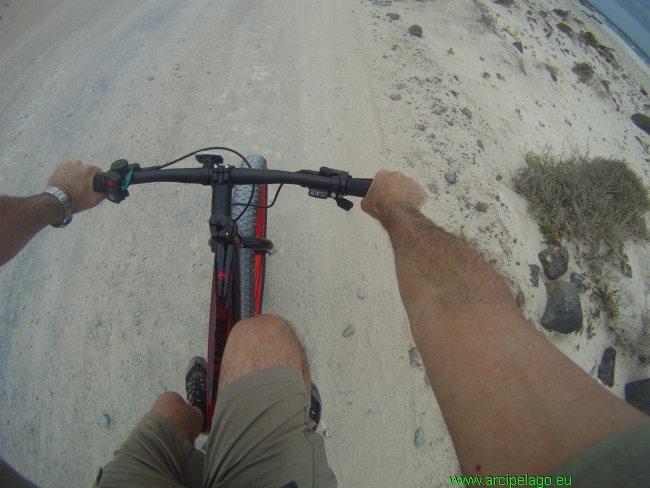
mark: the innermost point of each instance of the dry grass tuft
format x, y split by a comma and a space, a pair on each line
599, 203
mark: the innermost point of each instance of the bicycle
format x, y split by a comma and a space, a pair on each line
239, 243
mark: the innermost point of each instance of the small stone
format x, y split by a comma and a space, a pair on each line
97, 323
626, 269
414, 358
393, 16
174, 191
467, 113
382, 4
427, 381
151, 78
419, 438
481, 207
433, 188
637, 394
534, 274
415, 30
396, 97
579, 281
325, 433
519, 46
360, 295
395, 47
563, 311
454, 93
348, 331
479, 143
400, 86
450, 176
521, 299
104, 420
130, 237
555, 261
606, 368
137, 314
421, 127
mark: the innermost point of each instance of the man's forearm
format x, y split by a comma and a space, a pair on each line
439, 275
513, 403
22, 218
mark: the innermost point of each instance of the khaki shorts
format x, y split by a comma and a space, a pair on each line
260, 437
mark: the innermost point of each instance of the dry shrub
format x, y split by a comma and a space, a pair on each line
599, 203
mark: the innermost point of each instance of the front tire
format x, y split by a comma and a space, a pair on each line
251, 223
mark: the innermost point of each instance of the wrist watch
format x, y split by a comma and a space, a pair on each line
65, 201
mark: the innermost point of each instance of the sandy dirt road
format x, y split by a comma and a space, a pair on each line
103, 316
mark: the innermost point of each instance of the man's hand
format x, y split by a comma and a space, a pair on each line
21, 218
76, 179
391, 191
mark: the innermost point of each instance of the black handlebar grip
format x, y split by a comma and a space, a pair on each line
358, 187
98, 183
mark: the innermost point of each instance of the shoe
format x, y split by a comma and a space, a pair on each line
196, 378
316, 406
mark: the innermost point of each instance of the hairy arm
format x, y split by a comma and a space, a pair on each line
23, 218
513, 403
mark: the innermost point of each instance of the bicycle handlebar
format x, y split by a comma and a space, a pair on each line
326, 183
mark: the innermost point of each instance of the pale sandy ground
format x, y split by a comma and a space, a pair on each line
305, 84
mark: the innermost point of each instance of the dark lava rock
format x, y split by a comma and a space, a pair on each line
454, 93
579, 281
563, 311
393, 16
519, 47
415, 30
534, 275
450, 176
606, 368
481, 207
421, 127
467, 113
555, 261
637, 394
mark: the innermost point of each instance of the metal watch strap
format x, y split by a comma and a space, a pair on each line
66, 202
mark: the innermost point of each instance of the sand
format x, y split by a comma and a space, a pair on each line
100, 318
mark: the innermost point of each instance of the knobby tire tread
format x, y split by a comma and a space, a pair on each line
247, 224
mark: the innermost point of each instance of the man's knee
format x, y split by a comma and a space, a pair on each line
258, 343
265, 329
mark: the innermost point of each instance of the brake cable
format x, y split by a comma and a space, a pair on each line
152, 168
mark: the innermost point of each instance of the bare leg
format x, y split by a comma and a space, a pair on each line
188, 420
262, 342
